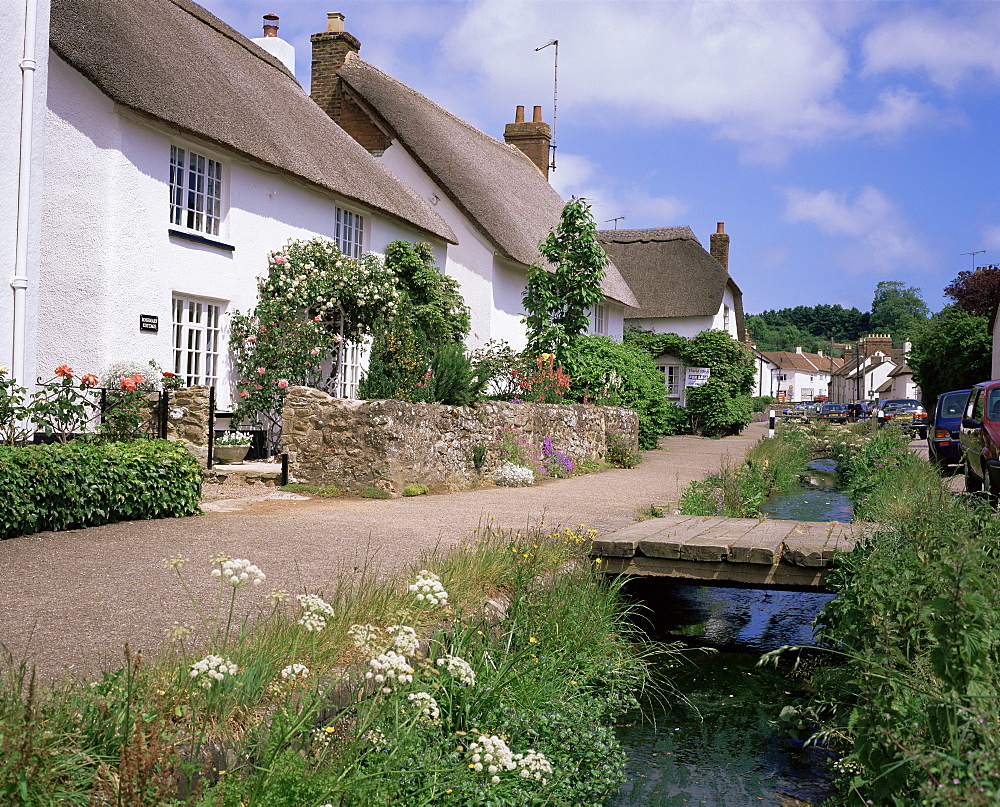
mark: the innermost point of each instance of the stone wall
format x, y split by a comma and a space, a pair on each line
187, 418
392, 444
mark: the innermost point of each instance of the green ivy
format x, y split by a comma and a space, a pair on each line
83, 484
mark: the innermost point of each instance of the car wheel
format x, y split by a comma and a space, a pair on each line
989, 490
973, 484
923, 434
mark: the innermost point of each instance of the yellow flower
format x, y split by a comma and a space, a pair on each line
533, 640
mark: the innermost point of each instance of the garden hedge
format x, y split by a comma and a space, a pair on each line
83, 484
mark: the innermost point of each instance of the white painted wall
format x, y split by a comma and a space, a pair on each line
682, 326
11, 53
107, 255
725, 317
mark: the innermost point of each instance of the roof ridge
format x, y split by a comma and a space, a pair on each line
205, 16
354, 60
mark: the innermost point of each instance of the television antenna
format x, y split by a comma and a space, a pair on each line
555, 98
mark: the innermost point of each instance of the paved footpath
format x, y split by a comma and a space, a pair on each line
70, 600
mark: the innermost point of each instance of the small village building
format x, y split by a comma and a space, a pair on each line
681, 288
495, 196
801, 377
863, 375
172, 155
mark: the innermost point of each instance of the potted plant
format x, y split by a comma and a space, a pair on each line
231, 447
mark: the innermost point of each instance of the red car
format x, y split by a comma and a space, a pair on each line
980, 439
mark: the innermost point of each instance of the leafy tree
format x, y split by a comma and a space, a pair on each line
812, 327
897, 309
431, 316
976, 292
952, 350
619, 374
558, 302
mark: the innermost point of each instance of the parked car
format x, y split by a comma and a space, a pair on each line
979, 438
904, 412
833, 412
802, 411
943, 444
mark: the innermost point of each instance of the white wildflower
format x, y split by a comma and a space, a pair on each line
428, 588
492, 755
315, 611
293, 671
458, 668
389, 667
366, 639
212, 669
534, 766
404, 638
238, 573
510, 475
426, 703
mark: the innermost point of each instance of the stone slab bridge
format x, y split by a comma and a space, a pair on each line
719, 551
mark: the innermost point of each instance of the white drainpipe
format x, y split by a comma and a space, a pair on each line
20, 280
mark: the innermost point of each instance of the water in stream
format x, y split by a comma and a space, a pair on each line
721, 747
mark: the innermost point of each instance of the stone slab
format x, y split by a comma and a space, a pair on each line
763, 543
667, 542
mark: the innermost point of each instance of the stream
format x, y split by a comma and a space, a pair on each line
715, 743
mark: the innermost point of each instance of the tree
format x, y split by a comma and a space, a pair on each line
976, 292
431, 318
897, 309
558, 302
952, 350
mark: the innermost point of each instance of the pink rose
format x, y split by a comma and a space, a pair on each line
318, 318
90, 380
282, 383
314, 351
261, 370
244, 394
251, 339
257, 386
64, 371
338, 338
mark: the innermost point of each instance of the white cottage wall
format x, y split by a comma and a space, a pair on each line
108, 254
682, 326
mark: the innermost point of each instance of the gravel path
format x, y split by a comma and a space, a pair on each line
70, 600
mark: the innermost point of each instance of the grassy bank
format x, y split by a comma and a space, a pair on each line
490, 676
912, 697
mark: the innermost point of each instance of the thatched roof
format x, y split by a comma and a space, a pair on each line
671, 273
495, 185
175, 62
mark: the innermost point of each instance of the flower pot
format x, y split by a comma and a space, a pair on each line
230, 454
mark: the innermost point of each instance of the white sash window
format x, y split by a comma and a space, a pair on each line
197, 336
195, 191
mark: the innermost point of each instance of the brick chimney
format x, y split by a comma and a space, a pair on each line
533, 139
330, 50
719, 248
848, 353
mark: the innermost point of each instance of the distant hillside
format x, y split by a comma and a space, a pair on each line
811, 327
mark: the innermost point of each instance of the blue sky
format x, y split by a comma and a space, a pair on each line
842, 143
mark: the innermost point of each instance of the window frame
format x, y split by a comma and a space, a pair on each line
197, 344
672, 390
599, 319
349, 232
198, 191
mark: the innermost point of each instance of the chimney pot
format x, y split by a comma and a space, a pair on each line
720, 227
270, 25
531, 139
335, 22
536, 116
798, 348
519, 114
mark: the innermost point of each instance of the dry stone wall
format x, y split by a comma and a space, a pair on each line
392, 444
187, 418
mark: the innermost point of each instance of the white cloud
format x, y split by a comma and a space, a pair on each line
991, 240
576, 175
873, 231
766, 75
949, 47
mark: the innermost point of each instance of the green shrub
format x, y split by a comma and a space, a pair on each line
620, 375
453, 380
415, 490
621, 452
761, 403
375, 493
676, 419
83, 484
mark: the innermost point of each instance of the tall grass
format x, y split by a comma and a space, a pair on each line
298, 714
913, 700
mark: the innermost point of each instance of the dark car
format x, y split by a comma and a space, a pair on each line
905, 412
943, 444
833, 412
980, 439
